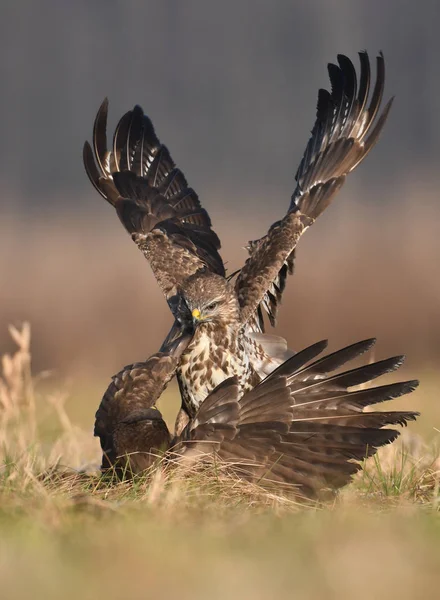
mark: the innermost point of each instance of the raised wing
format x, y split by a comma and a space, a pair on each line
346, 129
152, 199
302, 426
127, 421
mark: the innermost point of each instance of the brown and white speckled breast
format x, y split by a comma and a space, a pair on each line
209, 360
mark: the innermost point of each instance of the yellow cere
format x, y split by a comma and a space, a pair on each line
196, 313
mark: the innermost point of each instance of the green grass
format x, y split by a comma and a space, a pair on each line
202, 533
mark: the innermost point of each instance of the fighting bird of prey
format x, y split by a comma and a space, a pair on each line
300, 426
167, 222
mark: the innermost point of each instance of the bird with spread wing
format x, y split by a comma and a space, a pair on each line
301, 426
167, 222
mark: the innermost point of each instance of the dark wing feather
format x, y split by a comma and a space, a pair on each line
215, 422
152, 199
319, 395
302, 426
345, 131
255, 405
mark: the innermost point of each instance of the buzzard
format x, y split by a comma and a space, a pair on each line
165, 219
300, 426
127, 418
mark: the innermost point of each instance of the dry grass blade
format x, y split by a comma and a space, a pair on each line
29, 462
174, 518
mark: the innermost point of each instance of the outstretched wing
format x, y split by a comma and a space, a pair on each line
304, 427
347, 127
152, 199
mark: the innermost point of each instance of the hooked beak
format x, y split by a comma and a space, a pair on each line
197, 316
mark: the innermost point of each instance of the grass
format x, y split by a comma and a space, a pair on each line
201, 534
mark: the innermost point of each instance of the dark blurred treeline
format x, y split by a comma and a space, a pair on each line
230, 85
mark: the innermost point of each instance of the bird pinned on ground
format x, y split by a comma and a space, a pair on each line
303, 427
167, 222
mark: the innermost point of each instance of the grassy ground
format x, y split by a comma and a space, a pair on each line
203, 534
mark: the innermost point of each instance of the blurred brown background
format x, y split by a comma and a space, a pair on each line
231, 88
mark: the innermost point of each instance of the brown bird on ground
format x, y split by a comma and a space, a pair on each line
301, 426
127, 422
165, 219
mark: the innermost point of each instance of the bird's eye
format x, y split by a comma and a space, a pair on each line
212, 306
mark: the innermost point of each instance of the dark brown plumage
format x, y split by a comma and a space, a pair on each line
300, 426
165, 219
152, 199
127, 417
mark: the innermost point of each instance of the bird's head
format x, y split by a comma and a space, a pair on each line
208, 298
